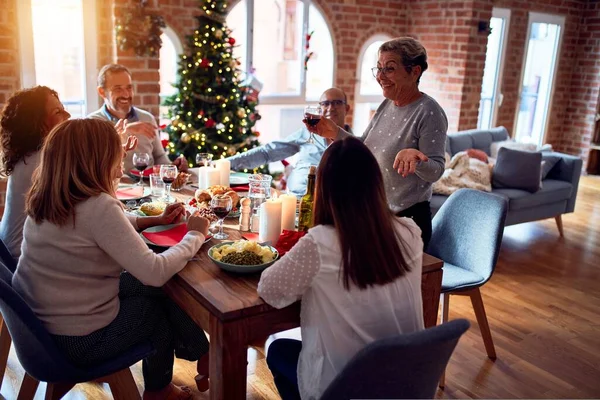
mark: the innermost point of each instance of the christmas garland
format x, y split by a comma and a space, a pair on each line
140, 31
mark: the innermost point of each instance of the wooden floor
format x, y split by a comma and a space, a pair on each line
543, 306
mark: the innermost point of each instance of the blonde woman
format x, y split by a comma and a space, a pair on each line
77, 241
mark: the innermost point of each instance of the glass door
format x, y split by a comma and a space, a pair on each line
491, 97
538, 76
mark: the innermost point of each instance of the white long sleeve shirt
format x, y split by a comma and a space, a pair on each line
336, 323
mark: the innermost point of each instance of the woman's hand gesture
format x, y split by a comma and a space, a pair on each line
173, 213
406, 161
199, 224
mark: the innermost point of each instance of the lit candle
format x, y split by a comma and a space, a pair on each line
288, 212
223, 166
207, 177
270, 221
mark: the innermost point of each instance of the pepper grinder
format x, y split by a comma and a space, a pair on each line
245, 214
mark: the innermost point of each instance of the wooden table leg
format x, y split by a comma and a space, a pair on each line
228, 355
431, 288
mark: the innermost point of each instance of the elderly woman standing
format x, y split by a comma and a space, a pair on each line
407, 134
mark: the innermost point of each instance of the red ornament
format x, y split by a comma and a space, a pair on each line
164, 143
210, 123
231, 41
162, 127
256, 133
205, 63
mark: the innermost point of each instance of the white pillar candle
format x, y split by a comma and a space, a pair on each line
223, 166
288, 212
270, 221
208, 176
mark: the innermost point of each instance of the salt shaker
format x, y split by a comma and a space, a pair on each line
245, 214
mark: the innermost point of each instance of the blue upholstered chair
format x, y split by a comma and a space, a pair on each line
43, 361
402, 367
467, 234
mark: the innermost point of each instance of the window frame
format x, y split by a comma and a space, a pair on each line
361, 98
544, 18
174, 38
286, 99
90, 50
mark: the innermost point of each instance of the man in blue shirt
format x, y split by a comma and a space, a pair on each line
334, 105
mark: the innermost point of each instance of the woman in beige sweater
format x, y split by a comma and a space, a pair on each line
77, 242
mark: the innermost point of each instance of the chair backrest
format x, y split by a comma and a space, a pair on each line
403, 367
5, 273
7, 258
35, 348
467, 231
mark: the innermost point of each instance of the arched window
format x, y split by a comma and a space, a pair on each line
169, 54
368, 92
271, 41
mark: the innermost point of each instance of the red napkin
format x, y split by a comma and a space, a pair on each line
147, 172
250, 236
168, 237
128, 193
287, 240
241, 188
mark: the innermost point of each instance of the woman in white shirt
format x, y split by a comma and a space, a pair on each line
357, 271
26, 119
77, 241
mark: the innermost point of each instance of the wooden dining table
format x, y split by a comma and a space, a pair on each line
228, 308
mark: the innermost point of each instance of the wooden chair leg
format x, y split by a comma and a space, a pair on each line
5, 342
559, 224
445, 303
122, 385
477, 302
202, 382
55, 391
28, 387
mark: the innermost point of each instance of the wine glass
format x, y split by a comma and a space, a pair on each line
221, 205
141, 162
168, 173
203, 159
312, 114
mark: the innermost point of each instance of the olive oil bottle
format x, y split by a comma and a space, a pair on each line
305, 217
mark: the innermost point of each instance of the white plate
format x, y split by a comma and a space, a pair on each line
147, 192
238, 178
160, 228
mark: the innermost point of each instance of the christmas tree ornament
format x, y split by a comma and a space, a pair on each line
220, 126
210, 123
218, 34
241, 113
185, 138
231, 41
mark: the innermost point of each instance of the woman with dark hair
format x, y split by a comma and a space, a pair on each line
358, 272
77, 241
26, 119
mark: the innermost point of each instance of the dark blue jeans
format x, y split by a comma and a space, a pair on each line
282, 359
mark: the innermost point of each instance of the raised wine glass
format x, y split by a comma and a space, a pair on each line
203, 159
312, 114
221, 205
141, 162
168, 173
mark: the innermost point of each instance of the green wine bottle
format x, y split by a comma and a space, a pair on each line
305, 217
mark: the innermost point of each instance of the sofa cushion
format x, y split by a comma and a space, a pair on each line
548, 162
552, 191
517, 169
475, 139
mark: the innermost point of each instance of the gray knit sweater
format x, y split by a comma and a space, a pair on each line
420, 125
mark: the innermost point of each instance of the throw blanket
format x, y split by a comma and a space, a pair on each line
463, 171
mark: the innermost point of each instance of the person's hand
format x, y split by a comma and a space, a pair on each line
406, 161
173, 213
325, 128
131, 143
198, 224
120, 127
181, 163
139, 128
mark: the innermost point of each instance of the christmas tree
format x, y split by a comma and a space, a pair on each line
214, 112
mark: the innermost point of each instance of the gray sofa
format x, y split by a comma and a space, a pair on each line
556, 197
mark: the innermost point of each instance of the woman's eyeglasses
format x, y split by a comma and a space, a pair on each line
385, 71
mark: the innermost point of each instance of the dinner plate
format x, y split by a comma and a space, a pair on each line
160, 228
132, 192
239, 178
241, 269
